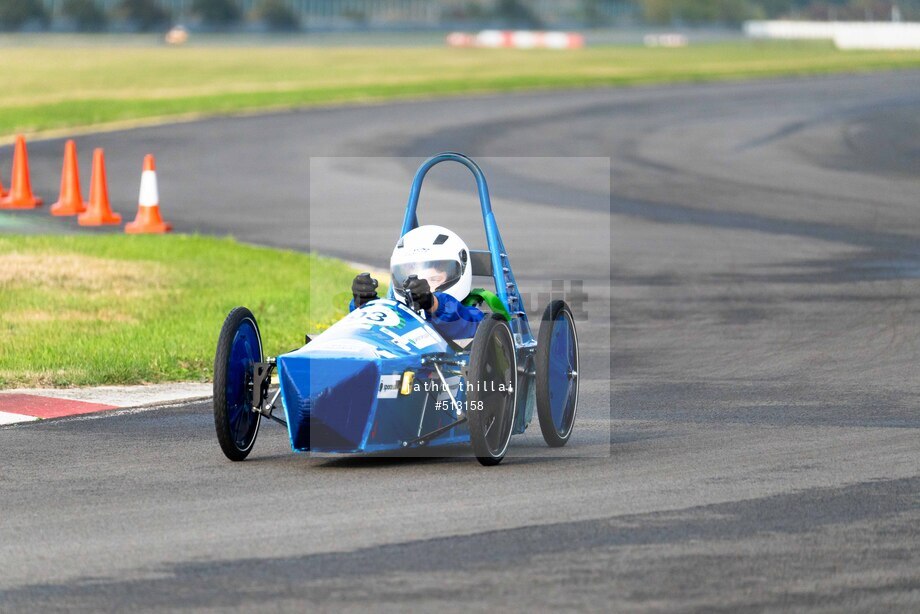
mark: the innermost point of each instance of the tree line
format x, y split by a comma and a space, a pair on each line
278, 15
143, 15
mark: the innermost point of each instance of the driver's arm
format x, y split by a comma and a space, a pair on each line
455, 320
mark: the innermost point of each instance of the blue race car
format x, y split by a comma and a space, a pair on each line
384, 379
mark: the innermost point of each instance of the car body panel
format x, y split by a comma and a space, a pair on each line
341, 391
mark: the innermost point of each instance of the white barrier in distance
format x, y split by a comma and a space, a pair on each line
902, 36
845, 34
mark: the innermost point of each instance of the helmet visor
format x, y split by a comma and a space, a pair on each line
441, 274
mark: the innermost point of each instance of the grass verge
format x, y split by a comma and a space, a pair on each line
51, 88
115, 309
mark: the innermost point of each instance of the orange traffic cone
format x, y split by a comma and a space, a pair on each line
20, 196
98, 212
70, 202
148, 218
3, 192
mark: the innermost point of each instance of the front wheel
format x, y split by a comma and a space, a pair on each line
239, 347
492, 393
557, 374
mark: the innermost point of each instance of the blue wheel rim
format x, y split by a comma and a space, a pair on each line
244, 351
563, 373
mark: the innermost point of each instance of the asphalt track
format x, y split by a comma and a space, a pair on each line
748, 434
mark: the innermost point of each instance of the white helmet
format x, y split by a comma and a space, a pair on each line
436, 254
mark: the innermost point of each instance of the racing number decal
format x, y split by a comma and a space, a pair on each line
384, 320
379, 317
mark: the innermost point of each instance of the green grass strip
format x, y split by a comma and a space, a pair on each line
116, 309
53, 88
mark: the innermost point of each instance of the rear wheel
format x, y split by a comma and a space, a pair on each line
557, 374
239, 347
492, 393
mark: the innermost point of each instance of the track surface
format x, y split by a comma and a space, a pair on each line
749, 441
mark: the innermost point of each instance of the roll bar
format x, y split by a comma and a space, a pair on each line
505, 286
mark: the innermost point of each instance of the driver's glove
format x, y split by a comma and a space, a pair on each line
364, 288
419, 292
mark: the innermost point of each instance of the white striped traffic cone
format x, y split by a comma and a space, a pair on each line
148, 220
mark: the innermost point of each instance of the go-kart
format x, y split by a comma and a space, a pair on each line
383, 379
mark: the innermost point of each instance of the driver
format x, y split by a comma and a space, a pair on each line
430, 267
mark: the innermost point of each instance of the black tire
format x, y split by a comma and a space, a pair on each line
556, 426
236, 424
493, 361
